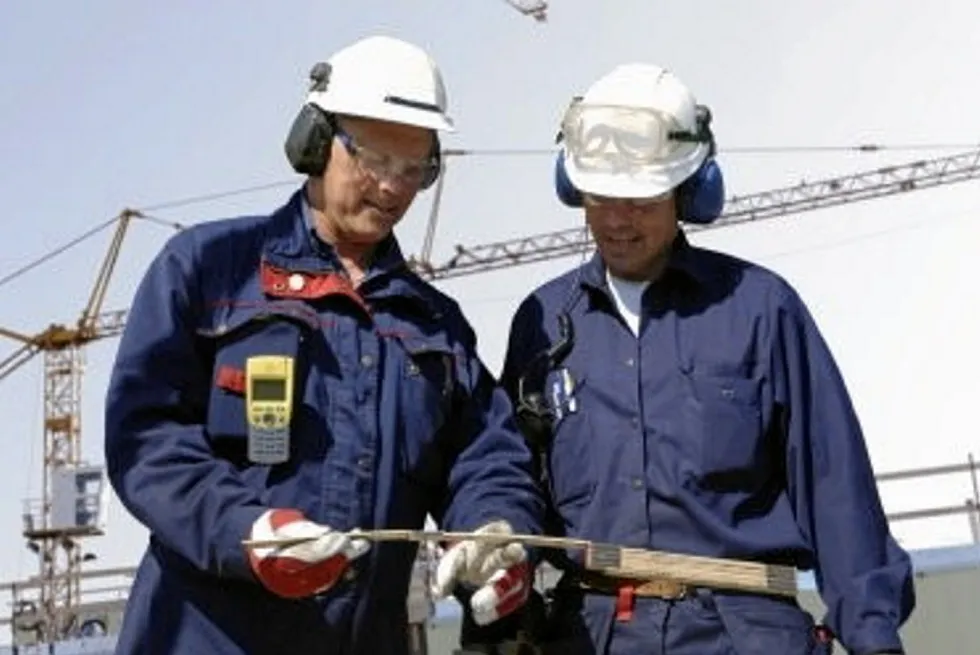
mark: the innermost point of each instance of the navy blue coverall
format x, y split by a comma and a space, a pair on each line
723, 430
394, 417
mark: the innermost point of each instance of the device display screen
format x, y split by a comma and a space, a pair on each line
263, 390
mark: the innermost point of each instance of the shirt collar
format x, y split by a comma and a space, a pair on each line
387, 256
388, 273
684, 259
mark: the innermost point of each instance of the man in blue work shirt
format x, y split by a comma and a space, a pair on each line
693, 407
288, 377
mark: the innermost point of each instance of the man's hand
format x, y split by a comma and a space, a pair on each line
305, 569
499, 570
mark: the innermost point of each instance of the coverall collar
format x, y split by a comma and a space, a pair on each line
294, 245
683, 259
387, 256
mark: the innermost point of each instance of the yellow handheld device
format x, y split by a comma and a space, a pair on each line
269, 407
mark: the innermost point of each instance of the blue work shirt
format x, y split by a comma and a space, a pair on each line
394, 416
724, 429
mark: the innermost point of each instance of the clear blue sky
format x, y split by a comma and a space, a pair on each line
107, 105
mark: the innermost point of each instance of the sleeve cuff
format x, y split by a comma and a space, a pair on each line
231, 555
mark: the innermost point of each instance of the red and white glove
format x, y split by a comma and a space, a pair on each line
500, 570
305, 569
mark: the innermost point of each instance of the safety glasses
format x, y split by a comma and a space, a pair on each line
620, 140
380, 165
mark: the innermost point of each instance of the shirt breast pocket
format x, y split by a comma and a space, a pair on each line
256, 332
571, 456
728, 423
427, 387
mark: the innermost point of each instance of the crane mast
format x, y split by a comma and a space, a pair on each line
70, 506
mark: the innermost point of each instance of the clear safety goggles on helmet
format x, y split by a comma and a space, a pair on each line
622, 140
380, 165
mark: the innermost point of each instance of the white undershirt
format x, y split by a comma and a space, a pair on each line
629, 299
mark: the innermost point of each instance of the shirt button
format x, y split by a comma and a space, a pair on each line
296, 282
635, 422
637, 483
366, 360
630, 362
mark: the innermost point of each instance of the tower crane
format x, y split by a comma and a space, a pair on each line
69, 508
803, 197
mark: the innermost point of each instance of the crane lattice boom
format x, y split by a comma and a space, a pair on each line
802, 197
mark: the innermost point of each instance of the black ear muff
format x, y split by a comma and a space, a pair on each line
309, 140
435, 170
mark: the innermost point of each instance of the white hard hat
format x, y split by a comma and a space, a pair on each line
387, 79
636, 133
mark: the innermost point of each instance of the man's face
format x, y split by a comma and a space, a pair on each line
373, 176
632, 236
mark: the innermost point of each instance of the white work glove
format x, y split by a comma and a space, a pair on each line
305, 569
500, 571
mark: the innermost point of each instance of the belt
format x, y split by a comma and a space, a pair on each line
663, 588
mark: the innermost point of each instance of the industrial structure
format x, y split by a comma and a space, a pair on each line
71, 506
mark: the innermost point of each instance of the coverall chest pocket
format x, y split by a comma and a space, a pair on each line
571, 457
251, 334
426, 392
726, 416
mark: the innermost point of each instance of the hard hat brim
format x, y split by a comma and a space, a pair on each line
392, 113
654, 181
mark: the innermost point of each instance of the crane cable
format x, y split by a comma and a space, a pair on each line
84, 236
